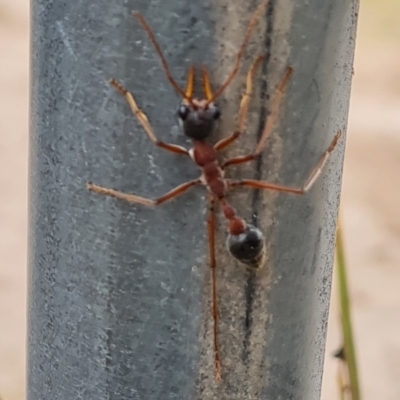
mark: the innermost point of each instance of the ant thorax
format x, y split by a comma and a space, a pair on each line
197, 118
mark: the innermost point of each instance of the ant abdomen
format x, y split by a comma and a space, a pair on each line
248, 247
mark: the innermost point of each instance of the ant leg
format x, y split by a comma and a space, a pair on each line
315, 173
132, 198
244, 106
254, 19
157, 47
213, 265
144, 121
269, 124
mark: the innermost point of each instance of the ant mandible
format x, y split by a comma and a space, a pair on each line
197, 119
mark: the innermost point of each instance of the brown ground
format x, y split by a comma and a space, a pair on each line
370, 202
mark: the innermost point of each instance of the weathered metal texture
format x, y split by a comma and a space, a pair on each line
119, 304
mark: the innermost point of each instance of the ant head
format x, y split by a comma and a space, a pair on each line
197, 116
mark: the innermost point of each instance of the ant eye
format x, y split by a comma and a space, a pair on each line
217, 113
183, 112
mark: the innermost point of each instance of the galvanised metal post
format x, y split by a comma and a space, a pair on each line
119, 304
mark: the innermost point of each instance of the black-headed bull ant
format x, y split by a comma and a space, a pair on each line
197, 118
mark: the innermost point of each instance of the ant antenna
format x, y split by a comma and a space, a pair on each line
153, 40
256, 16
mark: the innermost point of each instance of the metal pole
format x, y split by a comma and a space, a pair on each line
119, 304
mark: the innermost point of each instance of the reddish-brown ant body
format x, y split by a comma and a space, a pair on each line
197, 118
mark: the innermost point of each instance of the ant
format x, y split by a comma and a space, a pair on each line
197, 118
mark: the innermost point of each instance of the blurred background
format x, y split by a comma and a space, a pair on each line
370, 203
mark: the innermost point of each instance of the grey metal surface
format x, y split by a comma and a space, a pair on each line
119, 304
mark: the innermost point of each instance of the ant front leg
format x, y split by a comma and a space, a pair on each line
244, 106
144, 121
132, 198
269, 124
315, 173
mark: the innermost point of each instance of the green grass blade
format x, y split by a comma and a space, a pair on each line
346, 317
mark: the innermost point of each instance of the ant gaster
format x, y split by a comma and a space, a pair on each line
197, 118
